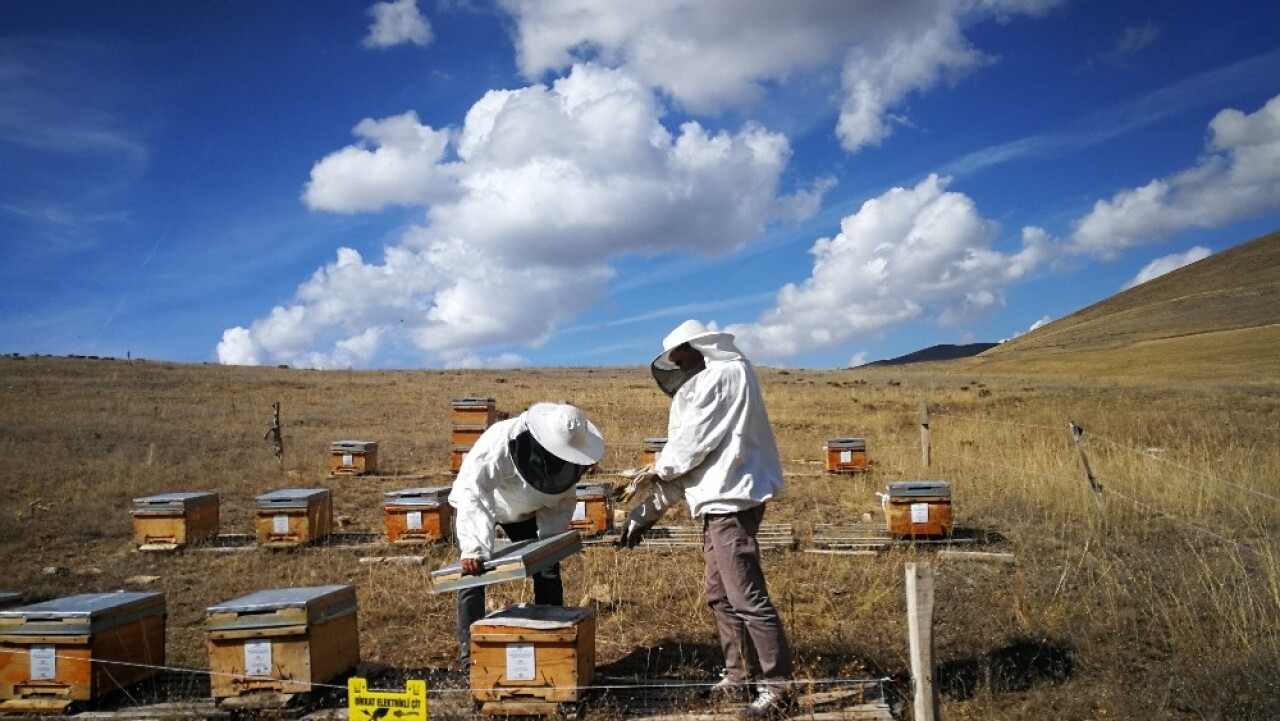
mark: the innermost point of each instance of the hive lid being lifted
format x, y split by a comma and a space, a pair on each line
537, 617
518, 560
357, 446
173, 502
80, 615
919, 489
291, 498
430, 496
283, 607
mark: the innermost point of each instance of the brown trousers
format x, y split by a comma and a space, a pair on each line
755, 646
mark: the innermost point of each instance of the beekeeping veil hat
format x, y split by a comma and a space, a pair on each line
565, 431
712, 343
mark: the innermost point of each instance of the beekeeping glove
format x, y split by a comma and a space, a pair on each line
664, 495
639, 478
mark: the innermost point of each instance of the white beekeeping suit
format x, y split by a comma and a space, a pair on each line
720, 452
497, 484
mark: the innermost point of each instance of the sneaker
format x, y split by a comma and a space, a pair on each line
770, 704
726, 690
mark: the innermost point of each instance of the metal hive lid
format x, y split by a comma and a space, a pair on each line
275, 599
537, 617
174, 501
291, 497
427, 496
473, 401
853, 443
592, 489
354, 446
81, 614
906, 489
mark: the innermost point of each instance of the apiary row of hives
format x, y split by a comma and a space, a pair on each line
80, 647
299, 516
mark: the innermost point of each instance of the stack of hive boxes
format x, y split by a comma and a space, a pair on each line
470, 418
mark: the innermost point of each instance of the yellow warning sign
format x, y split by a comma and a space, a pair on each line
366, 705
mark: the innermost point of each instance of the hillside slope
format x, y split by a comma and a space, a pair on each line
1214, 320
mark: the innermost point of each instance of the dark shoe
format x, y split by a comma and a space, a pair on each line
728, 691
770, 704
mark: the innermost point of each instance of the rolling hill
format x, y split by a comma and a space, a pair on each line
1216, 320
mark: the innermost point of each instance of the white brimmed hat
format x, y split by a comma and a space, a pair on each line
687, 332
565, 431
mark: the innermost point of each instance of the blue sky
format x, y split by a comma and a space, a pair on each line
498, 184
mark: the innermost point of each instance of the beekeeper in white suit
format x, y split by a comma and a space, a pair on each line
721, 457
521, 474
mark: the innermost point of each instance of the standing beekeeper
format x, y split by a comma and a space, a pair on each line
521, 474
721, 457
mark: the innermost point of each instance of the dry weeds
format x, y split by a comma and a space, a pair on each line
1127, 613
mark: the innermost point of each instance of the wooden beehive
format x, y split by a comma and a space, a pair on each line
471, 417
523, 656
918, 508
78, 648
652, 447
465, 436
456, 456
353, 458
169, 521
282, 640
293, 517
593, 515
418, 515
846, 455
474, 412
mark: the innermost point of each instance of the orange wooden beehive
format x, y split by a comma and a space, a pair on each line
918, 508
353, 458
293, 517
846, 455
593, 515
418, 515
525, 656
78, 648
652, 447
169, 521
282, 640
474, 411
470, 418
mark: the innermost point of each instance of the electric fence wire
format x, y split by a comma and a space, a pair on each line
665, 685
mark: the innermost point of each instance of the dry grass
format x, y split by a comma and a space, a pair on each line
1127, 614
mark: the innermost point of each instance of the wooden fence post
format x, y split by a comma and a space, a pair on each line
920, 631
926, 454
273, 433
1076, 434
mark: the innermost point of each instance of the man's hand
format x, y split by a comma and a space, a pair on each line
472, 566
632, 531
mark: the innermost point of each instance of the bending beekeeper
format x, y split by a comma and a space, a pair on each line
721, 457
521, 474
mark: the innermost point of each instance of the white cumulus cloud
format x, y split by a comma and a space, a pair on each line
396, 22
1237, 177
921, 252
1167, 264
525, 206
711, 54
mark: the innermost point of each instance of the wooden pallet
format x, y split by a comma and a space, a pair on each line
870, 538
771, 537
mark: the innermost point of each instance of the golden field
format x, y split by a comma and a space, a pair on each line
1164, 604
